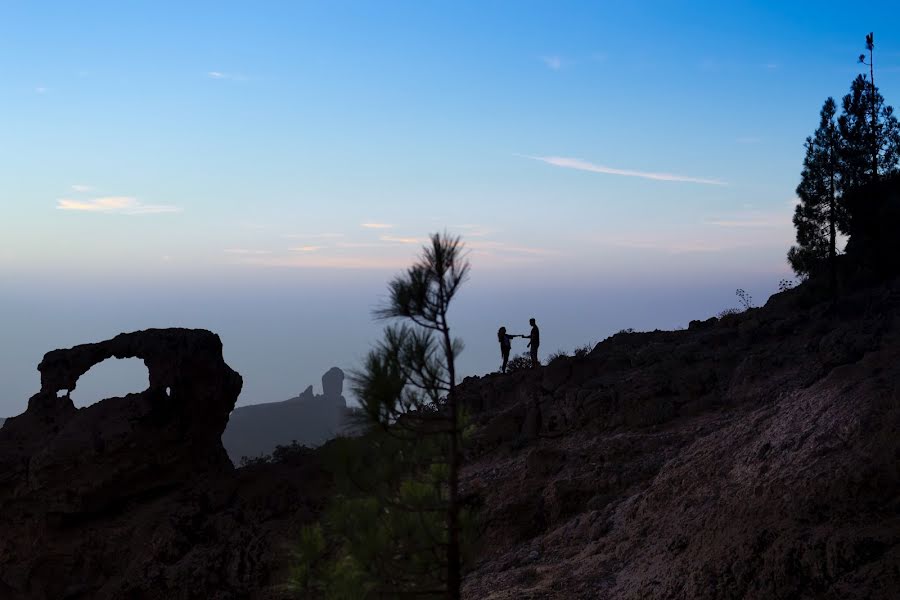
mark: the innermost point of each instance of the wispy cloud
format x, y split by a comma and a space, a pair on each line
401, 240
315, 260
376, 225
123, 205
779, 218
312, 236
582, 165
473, 230
306, 248
513, 249
80, 188
223, 76
747, 222
553, 62
246, 251
670, 246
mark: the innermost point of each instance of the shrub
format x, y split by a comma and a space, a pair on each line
252, 461
786, 284
518, 363
557, 354
583, 351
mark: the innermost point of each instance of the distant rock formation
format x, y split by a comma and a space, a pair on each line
2, 421
308, 419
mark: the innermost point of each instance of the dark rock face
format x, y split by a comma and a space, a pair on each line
151, 440
755, 457
307, 419
333, 383
135, 497
749, 457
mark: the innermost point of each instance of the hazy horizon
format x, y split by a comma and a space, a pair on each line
263, 171
283, 335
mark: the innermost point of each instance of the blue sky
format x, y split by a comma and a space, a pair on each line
240, 165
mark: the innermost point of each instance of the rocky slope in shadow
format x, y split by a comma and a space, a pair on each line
135, 497
756, 456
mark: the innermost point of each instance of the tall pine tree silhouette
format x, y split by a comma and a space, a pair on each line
819, 215
868, 127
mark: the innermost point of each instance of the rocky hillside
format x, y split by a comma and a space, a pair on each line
134, 497
755, 456
308, 419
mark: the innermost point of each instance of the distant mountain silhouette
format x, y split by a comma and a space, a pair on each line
309, 419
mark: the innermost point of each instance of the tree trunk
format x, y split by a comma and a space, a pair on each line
832, 242
874, 115
454, 575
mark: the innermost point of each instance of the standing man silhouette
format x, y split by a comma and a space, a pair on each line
534, 340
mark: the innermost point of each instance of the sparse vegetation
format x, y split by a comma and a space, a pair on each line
786, 284
518, 363
859, 147
583, 351
252, 461
397, 522
557, 355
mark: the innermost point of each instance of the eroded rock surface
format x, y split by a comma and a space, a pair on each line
135, 497
751, 457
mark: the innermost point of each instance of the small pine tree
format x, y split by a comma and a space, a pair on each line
409, 387
869, 129
396, 526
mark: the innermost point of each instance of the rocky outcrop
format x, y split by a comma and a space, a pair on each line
307, 419
135, 497
755, 456
78, 461
749, 457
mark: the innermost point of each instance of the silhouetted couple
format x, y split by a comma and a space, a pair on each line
534, 340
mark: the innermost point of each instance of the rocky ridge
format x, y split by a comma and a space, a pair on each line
753, 456
135, 497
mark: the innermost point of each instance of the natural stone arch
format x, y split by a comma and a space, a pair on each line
110, 378
157, 439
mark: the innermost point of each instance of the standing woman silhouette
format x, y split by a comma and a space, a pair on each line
505, 346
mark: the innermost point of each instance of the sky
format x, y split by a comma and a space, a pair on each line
263, 169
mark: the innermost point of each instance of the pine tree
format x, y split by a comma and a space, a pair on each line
819, 216
863, 146
869, 129
396, 527
409, 384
